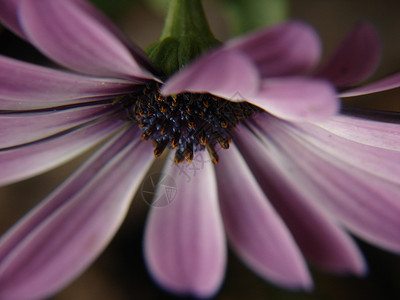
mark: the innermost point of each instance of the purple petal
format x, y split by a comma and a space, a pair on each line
29, 160
139, 55
375, 160
373, 133
319, 237
26, 86
184, 241
291, 48
387, 83
296, 99
366, 204
60, 238
21, 128
9, 15
228, 74
355, 59
72, 37
255, 229
65, 192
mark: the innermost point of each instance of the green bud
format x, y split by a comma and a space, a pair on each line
185, 36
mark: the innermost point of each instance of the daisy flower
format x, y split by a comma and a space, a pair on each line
290, 176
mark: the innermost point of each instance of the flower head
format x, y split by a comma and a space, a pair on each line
294, 170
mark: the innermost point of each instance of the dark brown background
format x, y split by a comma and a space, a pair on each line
119, 273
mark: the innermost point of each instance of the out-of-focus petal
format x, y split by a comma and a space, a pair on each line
374, 160
21, 128
60, 238
228, 74
255, 229
66, 191
355, 59
297, 99
26, 86
31, 159
139, 55
292, 48
366, 204
72, 37
184, 241
369, 132
9, 15
387, 83
319, 237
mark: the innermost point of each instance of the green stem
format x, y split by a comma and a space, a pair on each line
186, 18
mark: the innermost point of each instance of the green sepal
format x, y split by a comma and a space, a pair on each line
171, 54
185, 36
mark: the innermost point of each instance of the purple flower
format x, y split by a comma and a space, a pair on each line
296, 176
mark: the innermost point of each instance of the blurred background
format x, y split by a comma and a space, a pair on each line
119, 273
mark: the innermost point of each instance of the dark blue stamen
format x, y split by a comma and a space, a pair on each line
187, 122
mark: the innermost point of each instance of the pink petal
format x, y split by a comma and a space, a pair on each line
355, 59
374, 160
317, 234
21, 128
64, 239
373, 133
70, 36
139, 55
71, 186
254, 228
228, 74
387, 83
291, 48
29, 160
184, 241
296, 99
366, 204
232, 71
26, 86
9, 15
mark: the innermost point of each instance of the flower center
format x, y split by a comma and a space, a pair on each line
187, 122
